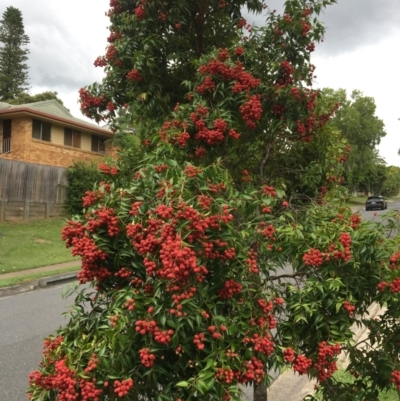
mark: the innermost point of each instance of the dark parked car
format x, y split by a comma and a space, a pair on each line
375, 202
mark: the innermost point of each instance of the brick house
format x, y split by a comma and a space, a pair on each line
46, 133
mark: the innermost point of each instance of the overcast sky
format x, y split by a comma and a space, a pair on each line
361, 51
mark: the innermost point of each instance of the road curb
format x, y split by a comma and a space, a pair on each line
40, 283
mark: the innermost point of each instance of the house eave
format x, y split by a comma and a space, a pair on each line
25, 111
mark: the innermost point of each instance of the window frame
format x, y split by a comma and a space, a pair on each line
73, 133
39, 128
98, 144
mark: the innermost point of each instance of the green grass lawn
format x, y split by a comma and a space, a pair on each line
28, 244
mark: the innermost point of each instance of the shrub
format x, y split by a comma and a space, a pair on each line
81, 176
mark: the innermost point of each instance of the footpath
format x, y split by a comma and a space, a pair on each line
57, 275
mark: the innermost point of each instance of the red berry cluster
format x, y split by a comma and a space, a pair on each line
52, 343
115, 5
241, 23
62, 380
134, 75
111, 53
382, 286
305, 27
395, 261
104, 217
302, 364
251, 111
108, 169
198, 341
230, 289
345, 240
162, 337
269, 231
270, 191
325, 365
349, 307
395, 285
100, 62
114, 36
204, 201
239, 51
143, 327
355, 221
242, 80
200, 152
86, 248
192, 171
395, 378
225, 375
88, 101
233, 134
262, 344
286, 73
208, 85
92, 364
313, 257
254, 371
251, 261
123, 273
146, 358
114, 320
139, 12
288, 355
246, 177
130, 304
265, 306
122, 388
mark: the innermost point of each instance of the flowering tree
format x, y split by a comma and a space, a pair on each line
218, 241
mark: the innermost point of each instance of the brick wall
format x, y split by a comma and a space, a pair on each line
25, 148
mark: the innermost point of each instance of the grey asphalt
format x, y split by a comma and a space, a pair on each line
25, 319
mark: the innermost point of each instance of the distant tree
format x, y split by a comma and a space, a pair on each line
375, 176
391, 186
23, 98
14, 77
362, 129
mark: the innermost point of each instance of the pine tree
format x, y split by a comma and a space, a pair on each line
14, 77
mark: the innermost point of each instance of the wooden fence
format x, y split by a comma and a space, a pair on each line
29, 191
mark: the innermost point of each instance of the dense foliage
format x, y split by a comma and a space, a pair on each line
81, 177
216, 242
14, 77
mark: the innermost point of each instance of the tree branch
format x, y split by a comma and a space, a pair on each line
294, 275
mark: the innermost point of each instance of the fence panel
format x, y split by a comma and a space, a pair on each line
30, 190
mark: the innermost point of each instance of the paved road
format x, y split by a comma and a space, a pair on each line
370, 213
27, 318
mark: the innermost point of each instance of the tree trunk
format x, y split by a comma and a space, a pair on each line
260, 392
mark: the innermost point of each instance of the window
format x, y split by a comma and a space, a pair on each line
41, 130
98, 144
5, 142
72, 138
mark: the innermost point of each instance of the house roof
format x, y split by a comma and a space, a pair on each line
50, 110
